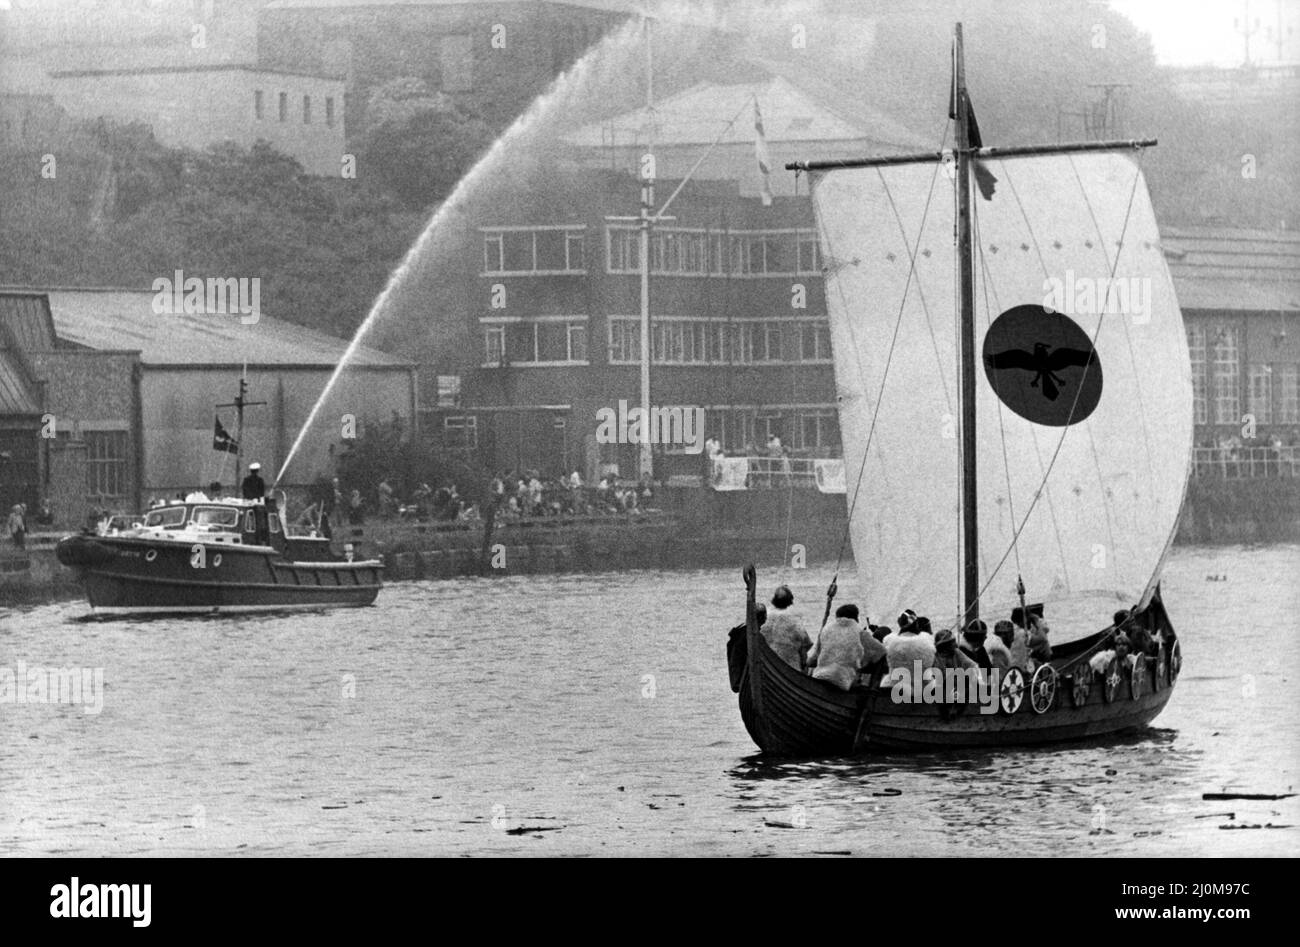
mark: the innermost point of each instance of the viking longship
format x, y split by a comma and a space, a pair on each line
1017, 426
211, 554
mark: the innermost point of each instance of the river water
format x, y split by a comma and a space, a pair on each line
467, 716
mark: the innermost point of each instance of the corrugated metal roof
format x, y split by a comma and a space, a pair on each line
27, 318
1233, 269
698, 115
15, 396
120, 319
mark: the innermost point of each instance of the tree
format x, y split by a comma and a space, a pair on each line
418, 145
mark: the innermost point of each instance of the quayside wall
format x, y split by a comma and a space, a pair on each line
689, 529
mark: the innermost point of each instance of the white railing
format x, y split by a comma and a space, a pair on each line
1241, 463
825, 474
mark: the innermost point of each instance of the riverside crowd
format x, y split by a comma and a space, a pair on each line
511, 496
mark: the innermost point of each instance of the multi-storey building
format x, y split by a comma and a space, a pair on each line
536, 322
536, 317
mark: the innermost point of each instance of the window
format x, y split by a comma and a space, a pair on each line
284, 106
456, 58
769, 423
171, 517
577, 342
106, 459
1200, 398
1227, 376
814, 342
448, 391
573, 251
740, 343
1287, 381
544, 341
221, 517
624, 341
329, 110
526, 251
623, 250
744, 432
494, 339
818, 429
494, 259
1261, 393
460, 431
306, 109
257, 104
768, 342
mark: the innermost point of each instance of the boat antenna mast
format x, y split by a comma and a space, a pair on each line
239, 404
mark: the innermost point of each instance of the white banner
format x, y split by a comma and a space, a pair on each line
730, 473
829, 475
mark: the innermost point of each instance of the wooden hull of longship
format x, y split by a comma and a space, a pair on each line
788, 713
137, 576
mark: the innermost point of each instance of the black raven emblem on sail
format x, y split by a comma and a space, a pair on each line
1044, 362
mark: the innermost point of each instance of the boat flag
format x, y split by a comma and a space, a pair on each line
984, 178
764, 159
221, 439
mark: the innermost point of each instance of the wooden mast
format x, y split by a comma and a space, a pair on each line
966, 328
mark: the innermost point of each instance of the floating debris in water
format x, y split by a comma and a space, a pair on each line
1267, 797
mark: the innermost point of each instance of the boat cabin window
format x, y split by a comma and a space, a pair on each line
170, 517
250, 523
221, 517
275, 524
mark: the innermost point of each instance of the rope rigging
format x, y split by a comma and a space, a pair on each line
898, 320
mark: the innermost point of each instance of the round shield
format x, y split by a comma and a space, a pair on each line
1081, 681
1112, 679
1042, 365
1175, 662
1042, 690
1162, 668
1012, 690
1137, 678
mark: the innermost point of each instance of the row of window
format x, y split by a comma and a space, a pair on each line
674, 341
1272, 390
552, 250
687, 341
259, 108
534, 250
679, 251
740, 430
746, 430
544, 342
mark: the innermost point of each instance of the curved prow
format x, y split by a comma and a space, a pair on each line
752, 684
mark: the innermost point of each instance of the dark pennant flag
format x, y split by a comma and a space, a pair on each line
221, 439
984, 178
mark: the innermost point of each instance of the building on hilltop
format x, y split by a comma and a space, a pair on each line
494, 56
298, 114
